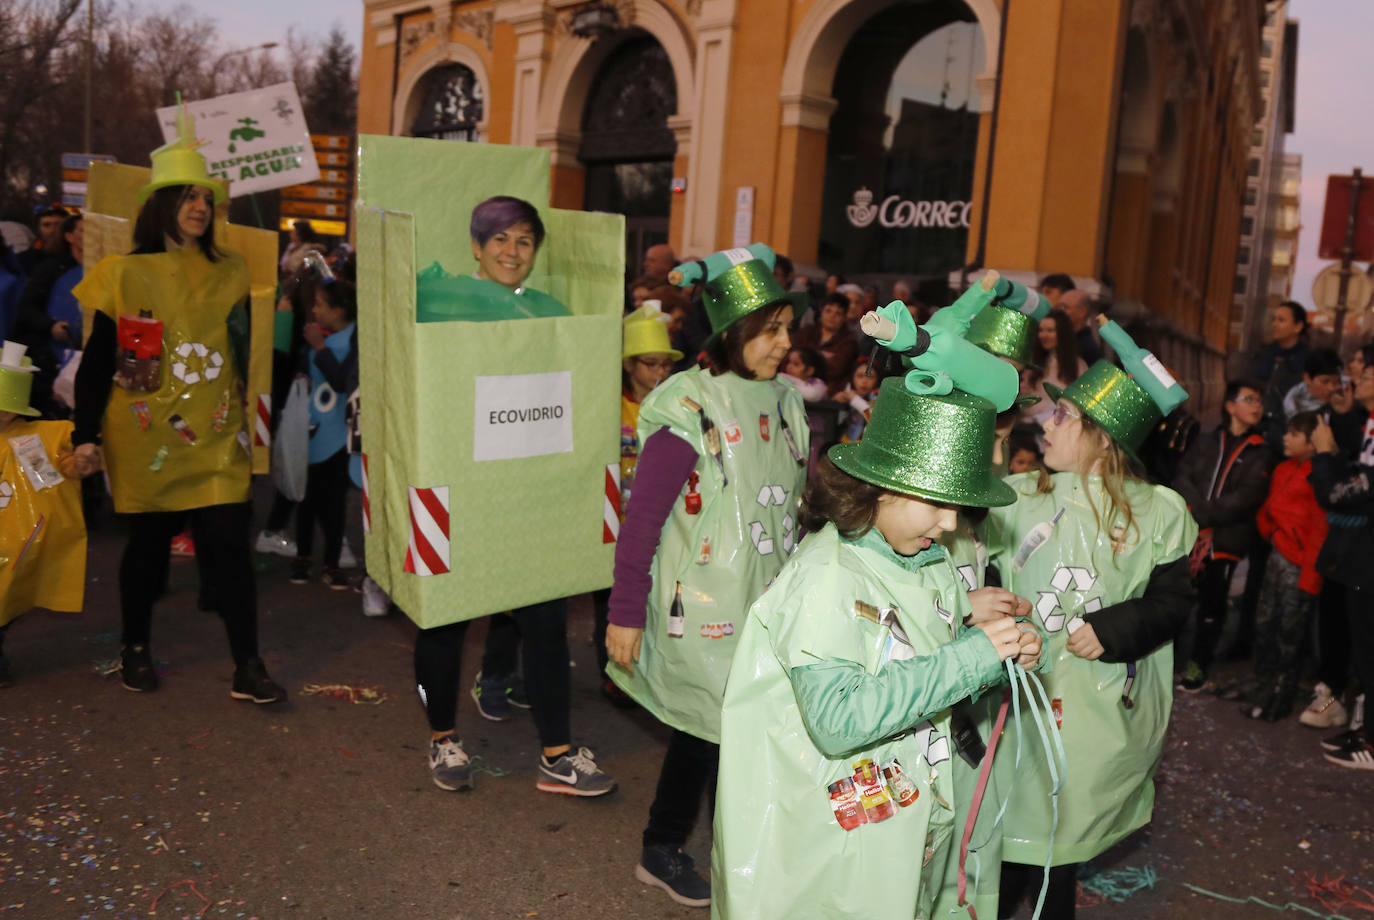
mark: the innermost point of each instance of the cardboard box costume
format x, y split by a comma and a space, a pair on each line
490, 448
857, 653
1050, 549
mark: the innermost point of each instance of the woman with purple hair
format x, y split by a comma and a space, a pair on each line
506, 235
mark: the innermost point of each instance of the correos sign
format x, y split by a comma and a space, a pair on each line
896, 211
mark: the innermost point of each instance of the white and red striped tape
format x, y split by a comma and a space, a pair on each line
263, 428
610, 508
367, 499
428, 550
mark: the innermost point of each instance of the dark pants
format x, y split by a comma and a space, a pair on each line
601, 609
1249, 602
1214, 584
326, 501
689, 770
280, 513
1333, 638
1019, 881
543, 631
1360, 617
1281, 623
501, 656
222, 536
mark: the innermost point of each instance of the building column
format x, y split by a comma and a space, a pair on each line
533, 25
715, 35
801, 175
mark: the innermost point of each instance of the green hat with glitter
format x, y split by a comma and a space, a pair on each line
935, 448
1120, 406
1006, 333
740, 290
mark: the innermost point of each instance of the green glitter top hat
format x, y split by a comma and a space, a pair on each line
1107, 395
937, 448
1004, 332
741, 289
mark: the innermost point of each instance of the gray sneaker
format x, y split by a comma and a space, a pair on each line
573, 773
448, 764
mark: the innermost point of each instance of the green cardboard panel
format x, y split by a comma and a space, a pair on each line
520, 530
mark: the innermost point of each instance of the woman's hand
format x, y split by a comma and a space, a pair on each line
990, 603
622, 644
1084, 643
1029, 655
1003, 632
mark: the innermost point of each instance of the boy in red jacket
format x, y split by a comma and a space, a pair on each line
1292, 521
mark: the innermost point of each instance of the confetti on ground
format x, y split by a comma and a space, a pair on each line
1336, 894
1119, 884
348, 693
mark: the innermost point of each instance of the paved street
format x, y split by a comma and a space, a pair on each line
186, 804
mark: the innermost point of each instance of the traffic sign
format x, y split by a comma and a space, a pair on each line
314, 209
330, 158
74, 169
316, 192
322, 227
1327, 286
1336, 216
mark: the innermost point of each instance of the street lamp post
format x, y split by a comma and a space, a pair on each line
214, 68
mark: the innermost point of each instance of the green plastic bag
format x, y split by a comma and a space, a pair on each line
729, 533
488, 446
822, 679
1049, 549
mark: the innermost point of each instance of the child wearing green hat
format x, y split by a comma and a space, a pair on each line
836, 784
42, 531
1104, 555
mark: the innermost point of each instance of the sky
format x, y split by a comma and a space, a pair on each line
1332, 132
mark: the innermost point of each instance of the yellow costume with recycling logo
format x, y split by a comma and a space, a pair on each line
183, 444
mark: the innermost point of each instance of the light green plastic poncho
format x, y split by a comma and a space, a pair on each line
1067, 568
969, 557
728, 534
854, 652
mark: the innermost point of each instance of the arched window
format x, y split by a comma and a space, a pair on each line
452, 105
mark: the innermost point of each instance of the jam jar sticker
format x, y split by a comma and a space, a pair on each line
844, 801
763, 426
704, 555
138, 363
732, 432
716, 630
691, 502
903, 789
873, 791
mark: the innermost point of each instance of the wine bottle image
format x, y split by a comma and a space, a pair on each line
677, 618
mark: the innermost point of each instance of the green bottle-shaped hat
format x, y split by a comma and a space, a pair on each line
738, 285
690, 273
1016, 296
1145, 369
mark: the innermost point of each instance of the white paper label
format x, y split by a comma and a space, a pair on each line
1159, 370
737, 256
522, 415
33, 459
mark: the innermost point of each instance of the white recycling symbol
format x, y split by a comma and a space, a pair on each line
209, 363
6, 493
772, 495
762, 542
934, 745
1047, 602
788, 536
970, 576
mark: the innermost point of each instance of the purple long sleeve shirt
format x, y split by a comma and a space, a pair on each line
663, 468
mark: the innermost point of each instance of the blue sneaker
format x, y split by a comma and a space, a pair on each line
672, 870
515, 693
448, 764
493, 702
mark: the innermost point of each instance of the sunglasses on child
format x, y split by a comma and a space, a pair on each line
1063, 412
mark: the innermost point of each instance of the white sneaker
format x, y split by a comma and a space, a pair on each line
346, 558
275, 542
448, 764
375, 600
1325, 711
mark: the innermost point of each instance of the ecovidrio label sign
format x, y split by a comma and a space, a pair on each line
897, 212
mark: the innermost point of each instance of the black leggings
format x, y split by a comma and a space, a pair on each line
543, 630
1214, 586
689, 770
223, 556
326, 497
1020, 880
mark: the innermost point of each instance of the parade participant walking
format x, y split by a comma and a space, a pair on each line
42, 533
835, 779
712, 521
161, 388
506, 235
1104, 557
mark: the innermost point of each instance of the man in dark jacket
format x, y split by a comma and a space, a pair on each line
1345, 487
1224, 477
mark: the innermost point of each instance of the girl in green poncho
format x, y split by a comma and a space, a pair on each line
1102, 555
851, 662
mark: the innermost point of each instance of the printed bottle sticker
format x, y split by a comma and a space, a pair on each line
873, 792
677, 617
691, 502
1057, 707
732, 432
221, 413
187, 433
704, 555
141, 415
1157, 368
844, 801
709, 433
788, 439
903, 789
1034, 540
763, 425
138, 365
158, 459
737, 256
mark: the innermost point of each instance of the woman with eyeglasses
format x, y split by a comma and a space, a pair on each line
1103, 556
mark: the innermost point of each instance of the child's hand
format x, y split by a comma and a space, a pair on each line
991, 603
86, 459
1322, 438
314, 335
622, 643
1083, 643
1029, 655
1003, 632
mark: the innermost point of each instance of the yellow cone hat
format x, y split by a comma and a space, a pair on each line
181, 163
